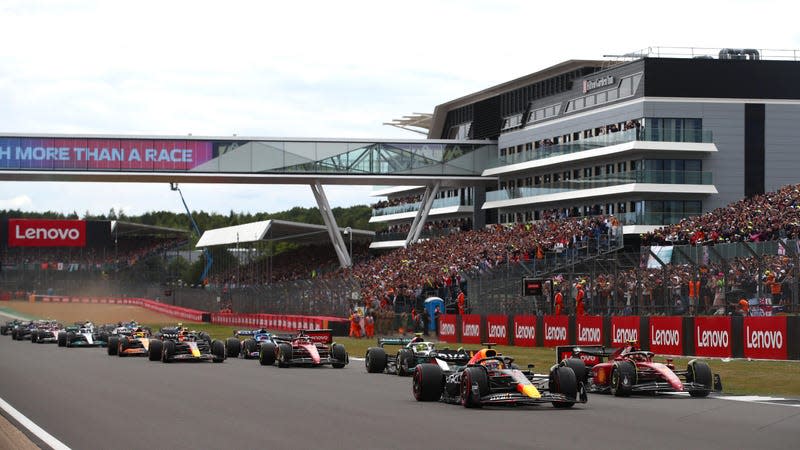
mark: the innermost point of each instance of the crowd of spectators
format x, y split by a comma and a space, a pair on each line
397, 201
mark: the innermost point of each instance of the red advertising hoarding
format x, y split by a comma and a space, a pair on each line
497, 328
471, 329
624, 329
447, 328
46, 233
525, 331
666, 335
555, 330
765, 337
712, 336
589, 330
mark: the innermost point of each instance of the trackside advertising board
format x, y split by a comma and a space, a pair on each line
666, 335
765, 337
624, 329
103, 154
471, 329
712, 336
497, 327
555, 330
46, 233
589, 330
447, 328
525, 330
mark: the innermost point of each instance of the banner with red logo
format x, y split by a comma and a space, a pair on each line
712, 336
46, 233
497, 328
765, 337
589, 330
525, 331
666, 335
471, 329
624, 329
555, 330
447, 328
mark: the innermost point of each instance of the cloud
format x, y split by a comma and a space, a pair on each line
22, 202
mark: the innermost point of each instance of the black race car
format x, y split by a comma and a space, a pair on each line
492, 379
414, 351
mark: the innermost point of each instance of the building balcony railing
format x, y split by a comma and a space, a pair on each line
606, 140
652, 218
413, 207
425, 234
615, 179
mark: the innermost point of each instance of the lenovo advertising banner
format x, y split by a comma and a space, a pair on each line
525, 331
589, 330
498, 329
46, 233
765, 337
666, 335
624, 329
471, 329
447, 328
555, 330
712, 336
103, 154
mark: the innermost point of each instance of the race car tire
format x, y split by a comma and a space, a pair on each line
13, 335
427, 382
218, 350
168, 352
623, 377
61, 338
70, 337
233, 347
266, 355
339, 355
404, 359
155, 349
113, 346
563, 381
34, 336
284, 355
375, 360
699, 372
3, 330
122, 345
473, 375
249, 346
579, 367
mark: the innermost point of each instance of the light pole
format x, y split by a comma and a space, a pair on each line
349, 231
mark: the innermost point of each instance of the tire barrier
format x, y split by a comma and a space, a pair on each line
754, 337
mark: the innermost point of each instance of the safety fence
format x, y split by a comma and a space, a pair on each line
764, 337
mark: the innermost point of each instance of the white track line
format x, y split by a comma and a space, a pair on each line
46, 437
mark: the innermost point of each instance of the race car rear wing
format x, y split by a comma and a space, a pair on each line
394, 341
589, 354
323, 336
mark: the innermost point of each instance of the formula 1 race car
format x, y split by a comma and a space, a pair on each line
490, 378
125, 341
179, 344
629, 370
46, 332
22, 330
250, 347
309, 348
414, 351
82, 335
8, 326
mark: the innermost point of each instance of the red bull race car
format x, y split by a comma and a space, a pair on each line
491, 379
630, 370
309, 348
413, 351
179, 344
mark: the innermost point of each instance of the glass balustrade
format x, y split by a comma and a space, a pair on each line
413, 207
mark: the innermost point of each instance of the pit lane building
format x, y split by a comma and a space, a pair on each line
651, 137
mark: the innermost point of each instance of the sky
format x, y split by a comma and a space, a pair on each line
304, 69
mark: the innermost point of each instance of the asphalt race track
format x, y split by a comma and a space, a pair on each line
89, 400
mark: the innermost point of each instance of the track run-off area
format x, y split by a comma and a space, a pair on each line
86, 399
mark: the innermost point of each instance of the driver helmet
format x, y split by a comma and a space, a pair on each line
492, 364
421, 347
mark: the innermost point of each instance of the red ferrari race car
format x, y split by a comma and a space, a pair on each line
490, 378
630, 370
308, 348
